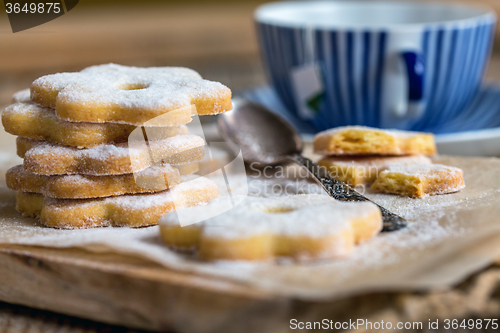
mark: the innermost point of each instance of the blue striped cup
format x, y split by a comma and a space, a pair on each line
404, 65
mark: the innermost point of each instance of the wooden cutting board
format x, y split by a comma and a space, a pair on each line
134, 292
122, 290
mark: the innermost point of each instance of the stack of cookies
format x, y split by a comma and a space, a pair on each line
392, 161
108, 146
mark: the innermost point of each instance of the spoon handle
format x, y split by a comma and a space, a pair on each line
343, 192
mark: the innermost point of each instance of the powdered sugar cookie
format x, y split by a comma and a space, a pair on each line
132, 210
302, 227
84, 186
217, 159
183, 129
187, 169
360, 140
41, 123
46, 158
419, 180
22, 96
129, 95
364, 170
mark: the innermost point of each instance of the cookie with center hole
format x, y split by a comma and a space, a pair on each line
301, 227
131, 210
129, 95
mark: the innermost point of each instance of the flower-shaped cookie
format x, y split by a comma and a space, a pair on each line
129, 95
305, 226
131, 210
361, 140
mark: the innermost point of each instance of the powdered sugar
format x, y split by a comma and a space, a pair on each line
50, 158
175, 145
134, 88
441, 246
38, 122
22, 96
360, 140
84, 186
423, 170
420, 180
379, 162
301, 215
173, 196
30, 109
102, 152
393, 132
121, 211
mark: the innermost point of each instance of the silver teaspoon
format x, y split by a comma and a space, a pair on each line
267, 139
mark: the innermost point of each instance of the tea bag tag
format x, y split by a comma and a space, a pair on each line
307, 81
308, 89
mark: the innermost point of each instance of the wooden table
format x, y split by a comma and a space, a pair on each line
218, 40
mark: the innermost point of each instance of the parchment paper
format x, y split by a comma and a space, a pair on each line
449, 237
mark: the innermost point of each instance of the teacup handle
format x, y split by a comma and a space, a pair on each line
414, 67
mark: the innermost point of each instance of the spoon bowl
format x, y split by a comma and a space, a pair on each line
262, 136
